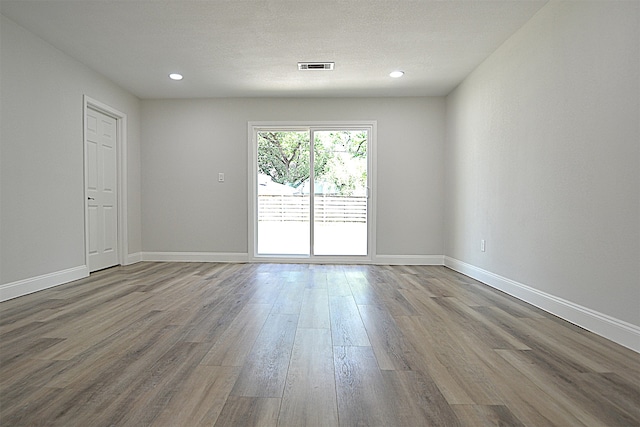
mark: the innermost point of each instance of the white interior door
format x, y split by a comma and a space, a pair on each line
101, 140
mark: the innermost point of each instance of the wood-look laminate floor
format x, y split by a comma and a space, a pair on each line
177, 344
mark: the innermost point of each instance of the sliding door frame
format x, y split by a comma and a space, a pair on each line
253, 128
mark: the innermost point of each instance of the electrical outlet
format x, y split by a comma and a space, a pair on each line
482, 245
221, 177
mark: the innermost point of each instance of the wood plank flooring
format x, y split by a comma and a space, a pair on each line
199, 344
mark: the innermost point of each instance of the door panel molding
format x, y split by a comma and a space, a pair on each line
120, 179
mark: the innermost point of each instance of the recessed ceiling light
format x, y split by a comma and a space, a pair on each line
175, 76
396, 74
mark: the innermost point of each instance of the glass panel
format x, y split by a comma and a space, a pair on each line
340, 187
283, 206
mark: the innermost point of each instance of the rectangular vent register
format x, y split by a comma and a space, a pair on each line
312, 66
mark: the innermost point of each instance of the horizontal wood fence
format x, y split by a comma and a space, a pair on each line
327, 208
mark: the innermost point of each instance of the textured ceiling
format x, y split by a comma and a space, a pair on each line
239, 48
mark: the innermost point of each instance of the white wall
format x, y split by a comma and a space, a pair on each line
185, 143
42, 175
543, 161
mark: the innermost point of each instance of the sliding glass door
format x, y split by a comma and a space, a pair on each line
283, 168
340, 192
311, 191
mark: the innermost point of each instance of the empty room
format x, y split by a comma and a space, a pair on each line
328, 213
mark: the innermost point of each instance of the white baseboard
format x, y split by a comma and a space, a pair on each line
34, 284
244, 257
604, 325
194, 257
133, 258
409, 259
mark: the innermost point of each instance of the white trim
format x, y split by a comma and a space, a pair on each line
616, 330
194, 257
121, 153
372, 127
234, 257
409, 259
318, 259
252, 158
372, 192
34, 284
133, 258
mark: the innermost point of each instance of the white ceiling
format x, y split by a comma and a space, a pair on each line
238, 48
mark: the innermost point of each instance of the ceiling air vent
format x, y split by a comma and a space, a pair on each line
309, 66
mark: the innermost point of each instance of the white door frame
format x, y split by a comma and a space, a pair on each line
253, 129
121, 176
